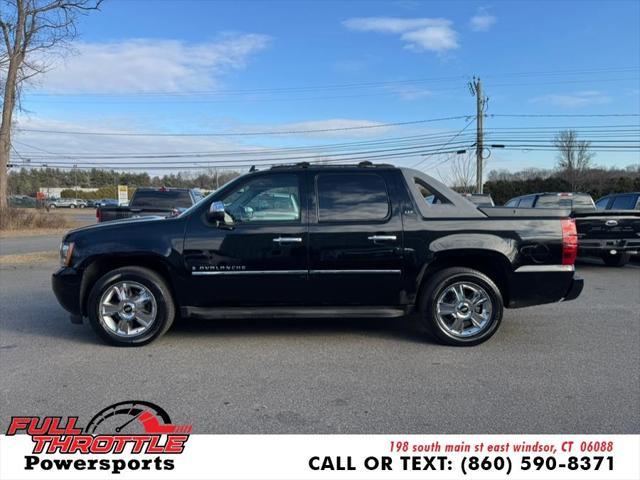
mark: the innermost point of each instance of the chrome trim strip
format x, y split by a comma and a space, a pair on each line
545, 268
289, 272
353, 271
382, 238
251, 272
288, 240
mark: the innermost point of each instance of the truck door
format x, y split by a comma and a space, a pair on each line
259, 259
355, 239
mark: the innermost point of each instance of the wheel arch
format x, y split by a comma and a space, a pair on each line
98, 266
493, 264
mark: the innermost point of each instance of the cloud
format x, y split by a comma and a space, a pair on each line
482, 21
150, 65
573, 100
419, 34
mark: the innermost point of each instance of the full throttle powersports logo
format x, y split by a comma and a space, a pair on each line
129, 428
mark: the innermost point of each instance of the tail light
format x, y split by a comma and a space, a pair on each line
98, 214
569, 241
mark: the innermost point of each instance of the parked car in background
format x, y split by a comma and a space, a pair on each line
152, 201
480, 199
107, 202
22, 201
620, 201
66, 203
320, 241
612, 235
569, 200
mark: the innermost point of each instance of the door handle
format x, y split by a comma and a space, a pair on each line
282, 240
383, 238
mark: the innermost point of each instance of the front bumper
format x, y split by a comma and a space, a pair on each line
66, 284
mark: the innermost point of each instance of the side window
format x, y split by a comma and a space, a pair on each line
512, 203
430, 197
526, 202
272, 198
624, 202
602, 203
344, 197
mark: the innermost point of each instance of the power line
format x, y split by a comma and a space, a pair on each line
559, 115
229, 134
408, 149
318, 130
340, 86
503, 132
449, 142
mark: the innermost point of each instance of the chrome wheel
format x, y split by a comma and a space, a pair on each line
127, 309
464, 309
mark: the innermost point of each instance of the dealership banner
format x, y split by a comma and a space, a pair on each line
58, 449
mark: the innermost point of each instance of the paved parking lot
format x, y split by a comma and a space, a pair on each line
571, 367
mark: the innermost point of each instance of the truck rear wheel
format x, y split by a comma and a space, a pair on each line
616, 260
130, 306
461, 306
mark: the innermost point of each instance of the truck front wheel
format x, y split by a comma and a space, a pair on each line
461, 307
130, 306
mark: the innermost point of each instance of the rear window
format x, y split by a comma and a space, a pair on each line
564, 201
624, 202
166, 199
351, 197
527, 202
602, 203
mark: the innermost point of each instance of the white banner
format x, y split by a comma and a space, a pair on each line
326, 457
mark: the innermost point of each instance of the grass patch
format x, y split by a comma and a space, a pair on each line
27, 258
30, 218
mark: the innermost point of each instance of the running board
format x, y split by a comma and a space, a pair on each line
292, 312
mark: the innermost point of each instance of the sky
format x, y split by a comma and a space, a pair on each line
210, 72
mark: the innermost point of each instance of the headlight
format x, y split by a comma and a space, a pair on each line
66, 251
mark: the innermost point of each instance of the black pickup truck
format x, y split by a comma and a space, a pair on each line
151, 202
320, 241
612, 235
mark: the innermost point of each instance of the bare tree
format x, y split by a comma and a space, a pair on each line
574, 157
462, 172
30, 29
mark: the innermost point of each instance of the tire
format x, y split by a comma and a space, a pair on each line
52, 206
617, 260
72, 206
458, 328
158, 306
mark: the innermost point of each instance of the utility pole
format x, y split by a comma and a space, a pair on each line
475, 86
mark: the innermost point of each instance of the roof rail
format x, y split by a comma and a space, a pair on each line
364, 164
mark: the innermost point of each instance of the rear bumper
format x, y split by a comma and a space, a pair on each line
538, 284
66, 284
577, 284
596, 248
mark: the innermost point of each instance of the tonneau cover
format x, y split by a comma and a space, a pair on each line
510, 212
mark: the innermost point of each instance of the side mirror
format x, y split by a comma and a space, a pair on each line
216, 212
